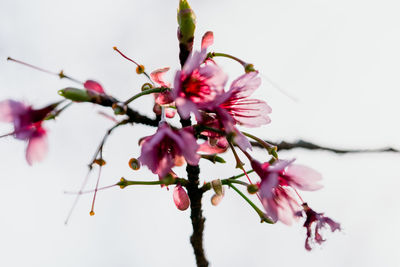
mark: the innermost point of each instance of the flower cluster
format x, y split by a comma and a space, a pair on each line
199, 91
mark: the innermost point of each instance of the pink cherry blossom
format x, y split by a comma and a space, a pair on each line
168, 148
165, 97
278, 200
27, 126
181, 198
235, 103
93, 86
197, 85
316, 221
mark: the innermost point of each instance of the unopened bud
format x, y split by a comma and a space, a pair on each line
252, 189
168, 179
75, 94
216, 199
119, 108
181, 198
146, 86
186, 22
134, 164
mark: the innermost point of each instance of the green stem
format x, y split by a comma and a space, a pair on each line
213, 54
146, 92
262, 215
124, 183
270, 148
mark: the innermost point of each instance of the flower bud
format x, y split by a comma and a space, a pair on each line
252, 188
75, 94
139, 69
186, 22
181, 198
216, 199
134, 164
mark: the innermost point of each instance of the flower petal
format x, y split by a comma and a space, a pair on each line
9, 109
207, 40
93, 86
37, 147
303, 177
158, 76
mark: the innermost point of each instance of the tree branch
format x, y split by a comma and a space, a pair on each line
283, 145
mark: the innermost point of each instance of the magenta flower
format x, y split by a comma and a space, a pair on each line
168, 148
181, 198
27, 126
197, 85
319, 221
277, 198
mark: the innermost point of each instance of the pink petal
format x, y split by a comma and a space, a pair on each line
93, 86
207, 40
170, 112
303, 177
157, 76
194, 61
37, 147
246, 84
185, 107
250, 112
206, 147
190, 148
9, 109
181, 198
242, 140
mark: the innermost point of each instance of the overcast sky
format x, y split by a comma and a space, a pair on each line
337, 60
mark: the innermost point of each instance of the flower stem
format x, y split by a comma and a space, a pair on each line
146, 92
213, 54
262, 215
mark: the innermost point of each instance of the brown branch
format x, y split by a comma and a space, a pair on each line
283, 145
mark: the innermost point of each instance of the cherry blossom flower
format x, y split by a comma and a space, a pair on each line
168, 148
277, 198
319, 221
27, 126
181, 198
235, 102
197, 85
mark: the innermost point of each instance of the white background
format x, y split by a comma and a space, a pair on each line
339, 59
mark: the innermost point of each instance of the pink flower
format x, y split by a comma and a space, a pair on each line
181, 198
27, 126
278, 200
93, 86
168, 148
235, 102
197, 85
319, 221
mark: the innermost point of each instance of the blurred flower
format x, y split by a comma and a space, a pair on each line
27, 126
319, 221
168, 148
277, 198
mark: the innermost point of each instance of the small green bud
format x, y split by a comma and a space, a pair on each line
217, 187
122, 183
252, 189
213, 158
75, 94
